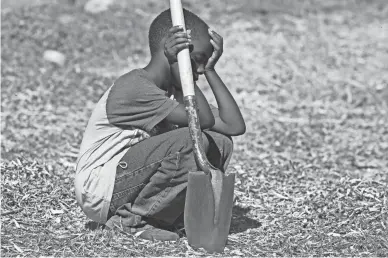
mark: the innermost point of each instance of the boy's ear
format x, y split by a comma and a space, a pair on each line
162, 42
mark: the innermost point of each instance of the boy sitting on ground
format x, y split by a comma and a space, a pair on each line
136, 153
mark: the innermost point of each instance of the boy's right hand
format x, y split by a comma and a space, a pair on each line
176, 41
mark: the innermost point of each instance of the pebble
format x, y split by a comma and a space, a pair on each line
97, 6
66, 18
54, 57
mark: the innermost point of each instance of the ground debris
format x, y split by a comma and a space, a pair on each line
311, 170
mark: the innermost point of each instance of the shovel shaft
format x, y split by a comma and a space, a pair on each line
185, 71
186, 76
209, 197
196, 134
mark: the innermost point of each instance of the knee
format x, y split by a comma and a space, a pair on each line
227, 140
227, 146
183, 138
223, 142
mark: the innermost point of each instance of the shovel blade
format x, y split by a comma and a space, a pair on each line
199, 212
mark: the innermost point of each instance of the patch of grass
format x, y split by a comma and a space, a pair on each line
309, 76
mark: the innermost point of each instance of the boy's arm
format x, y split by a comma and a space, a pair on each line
179, 117
176, 41
230, 122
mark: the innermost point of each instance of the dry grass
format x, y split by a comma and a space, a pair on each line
308, 75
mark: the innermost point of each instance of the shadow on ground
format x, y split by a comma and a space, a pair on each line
240, 221
92, 225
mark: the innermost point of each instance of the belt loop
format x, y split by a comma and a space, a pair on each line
123, 164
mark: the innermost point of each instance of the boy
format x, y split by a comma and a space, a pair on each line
136, 152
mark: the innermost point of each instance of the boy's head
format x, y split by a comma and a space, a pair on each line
201, 48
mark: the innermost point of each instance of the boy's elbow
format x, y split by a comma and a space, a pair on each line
240, 130
207, 123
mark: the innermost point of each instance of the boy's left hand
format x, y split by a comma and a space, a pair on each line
218, 44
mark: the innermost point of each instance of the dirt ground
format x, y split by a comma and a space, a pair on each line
311, 80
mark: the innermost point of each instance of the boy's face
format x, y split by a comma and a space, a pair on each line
200, 52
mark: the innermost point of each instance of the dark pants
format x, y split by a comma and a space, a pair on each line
151, 178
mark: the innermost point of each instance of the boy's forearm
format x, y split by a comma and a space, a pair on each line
228, 108
204, 112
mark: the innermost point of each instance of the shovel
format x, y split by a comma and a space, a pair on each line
209, 196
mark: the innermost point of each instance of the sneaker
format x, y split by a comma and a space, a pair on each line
144, 230
152, 233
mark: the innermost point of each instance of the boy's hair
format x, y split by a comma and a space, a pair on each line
162, 23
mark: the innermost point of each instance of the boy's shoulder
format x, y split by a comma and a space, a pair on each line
133, 85
135, 82
130, 83
133, 77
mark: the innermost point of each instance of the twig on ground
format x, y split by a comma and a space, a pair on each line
11, 212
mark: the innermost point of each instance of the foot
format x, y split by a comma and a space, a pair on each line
152, 233
143, 229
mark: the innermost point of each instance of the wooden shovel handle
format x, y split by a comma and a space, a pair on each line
186, 76
185, 71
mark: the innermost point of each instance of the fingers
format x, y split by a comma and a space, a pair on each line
212, 58
214, 34
215, 45
174, 48
176, 36
176, 42
217, 42
177, 48
175, 29
216, 37
178, 31
171, 47
218, 49
182, 35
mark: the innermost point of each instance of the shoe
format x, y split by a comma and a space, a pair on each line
152, 233
143, 230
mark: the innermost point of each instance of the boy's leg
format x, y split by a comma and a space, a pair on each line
151, 180
219, 153
220, 149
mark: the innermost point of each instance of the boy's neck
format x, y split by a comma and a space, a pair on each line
159, 71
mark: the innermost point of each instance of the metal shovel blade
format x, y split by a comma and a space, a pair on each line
199, 212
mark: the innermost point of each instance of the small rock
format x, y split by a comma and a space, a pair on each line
66, 18
54, 57
237, 252
56, 212
97, 6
